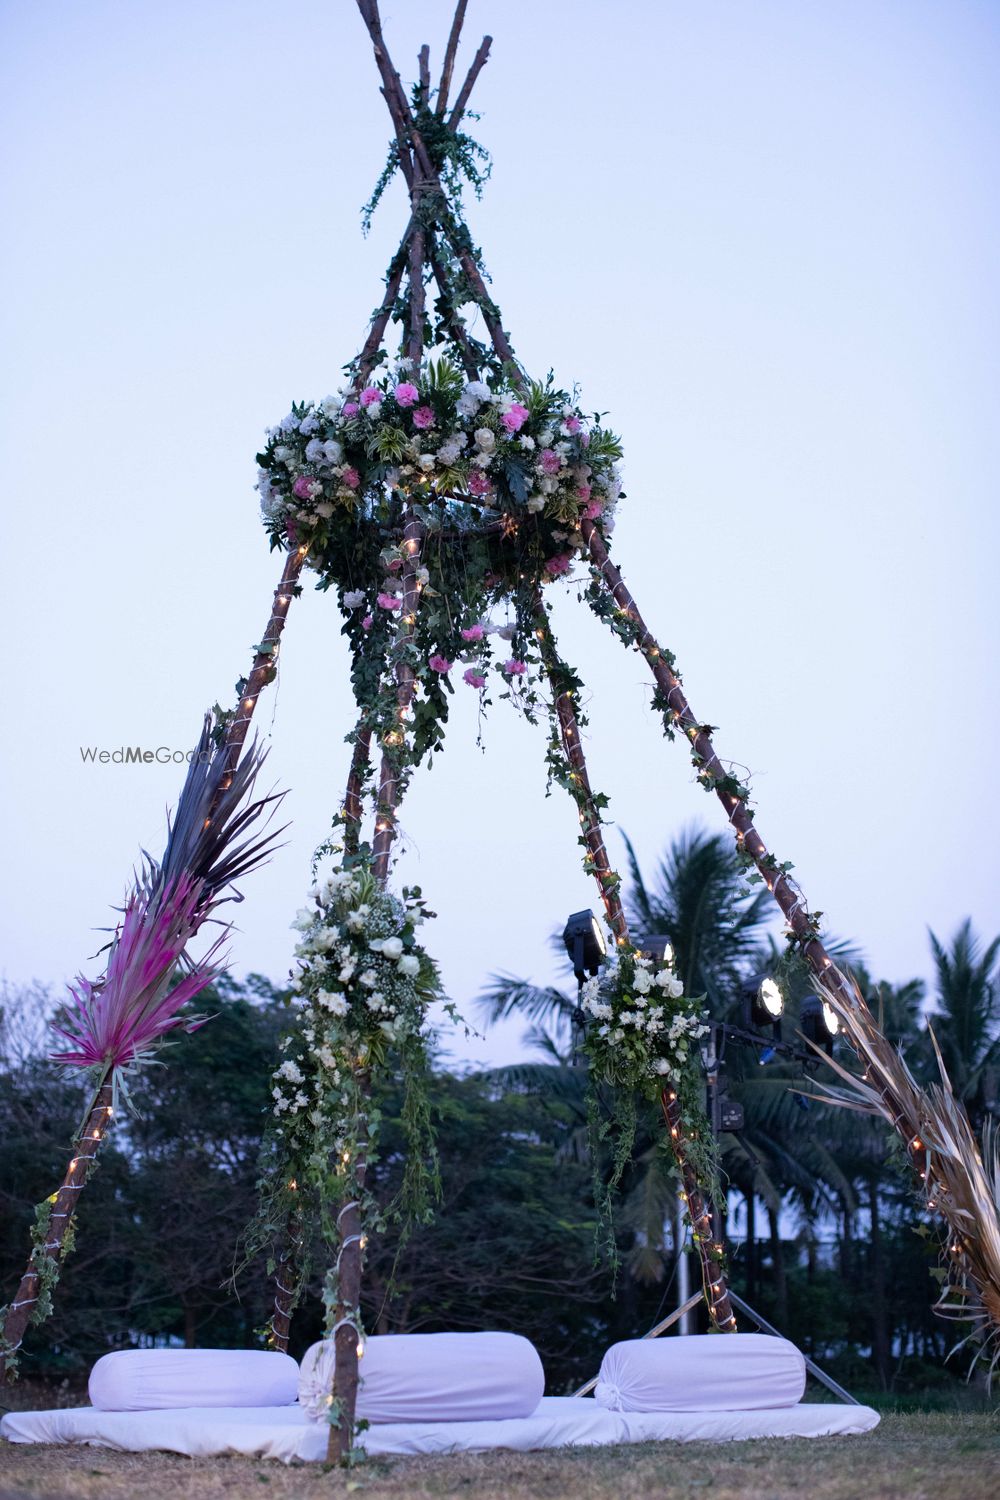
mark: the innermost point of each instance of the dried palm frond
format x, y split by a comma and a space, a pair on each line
115, 1022
113, 1025
960, 1183
213, 812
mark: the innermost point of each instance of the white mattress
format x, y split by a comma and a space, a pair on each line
286, 1433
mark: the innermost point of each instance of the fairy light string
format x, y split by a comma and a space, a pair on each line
53, 1232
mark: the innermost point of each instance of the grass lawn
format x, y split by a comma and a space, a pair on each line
916, 1456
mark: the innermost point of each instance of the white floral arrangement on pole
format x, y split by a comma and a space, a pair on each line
644, 1028
641, 1040
361, 991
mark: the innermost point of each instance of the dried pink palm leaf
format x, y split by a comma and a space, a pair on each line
115, 1024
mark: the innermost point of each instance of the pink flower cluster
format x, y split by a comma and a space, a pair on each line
473, 678
514, 418
439, 663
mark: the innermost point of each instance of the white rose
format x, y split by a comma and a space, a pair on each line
536, 503
392, 947
354, 598
409, 965
485, 439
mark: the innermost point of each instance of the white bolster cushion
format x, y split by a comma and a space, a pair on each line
432, 1377
703, 1372
157, 1379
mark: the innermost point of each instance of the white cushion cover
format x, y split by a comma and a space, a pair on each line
157, 1379
704, 1372
286, 1433
433, 1377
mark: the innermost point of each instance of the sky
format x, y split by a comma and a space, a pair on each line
762, 238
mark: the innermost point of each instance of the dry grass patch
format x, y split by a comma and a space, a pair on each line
914, 1457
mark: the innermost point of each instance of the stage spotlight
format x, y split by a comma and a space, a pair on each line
585, 943
659, 948
763, 1002
819, 1022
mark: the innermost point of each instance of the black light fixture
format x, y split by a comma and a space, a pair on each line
585, 944
819, 1022
763, 1002
657, 947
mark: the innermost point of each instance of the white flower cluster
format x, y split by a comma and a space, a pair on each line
357, 973
652, 1012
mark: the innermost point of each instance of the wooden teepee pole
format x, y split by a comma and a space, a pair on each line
85, 1147
713, 772
419, 163
709, 1251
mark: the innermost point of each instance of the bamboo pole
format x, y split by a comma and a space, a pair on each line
444, 86
784, 890
265, 662
709, 1252
478, 64
390, 773
285, 1284
86, 1145
352, 796
410, 140
347, 1343
608, 882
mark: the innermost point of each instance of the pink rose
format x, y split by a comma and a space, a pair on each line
478, 483
514, 419
571, 424
423, 417
550, 461
583, 493
306, 488
473, 633
349, 409
367, 622
556, 566
370, 395
473, 678
438, 663
405, 393
515, 668
389, 601
593, 510
394, 564
351, 478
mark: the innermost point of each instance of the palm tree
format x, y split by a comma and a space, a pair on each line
700, 901
966, 1018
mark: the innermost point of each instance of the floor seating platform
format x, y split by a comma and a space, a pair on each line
286, 1433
